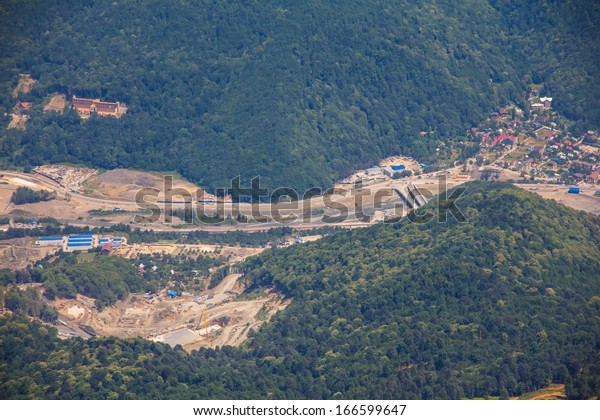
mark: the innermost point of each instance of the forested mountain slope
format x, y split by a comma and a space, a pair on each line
557, 43
504, 304
297, 92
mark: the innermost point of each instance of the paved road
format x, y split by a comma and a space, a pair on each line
322, 205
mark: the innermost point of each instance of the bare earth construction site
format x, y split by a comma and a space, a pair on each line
174, 321
220, 316
225, 314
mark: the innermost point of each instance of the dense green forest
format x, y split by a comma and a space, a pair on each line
498, 306
557, 44
106, 279
300, 93
27, 302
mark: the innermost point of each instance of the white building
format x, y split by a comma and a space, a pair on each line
373, 171
50, 241
547, 102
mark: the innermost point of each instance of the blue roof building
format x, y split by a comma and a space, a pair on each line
50, 241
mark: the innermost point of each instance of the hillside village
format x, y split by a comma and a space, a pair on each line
537, 145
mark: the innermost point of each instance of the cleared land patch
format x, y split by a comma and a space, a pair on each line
57, 103
125, 183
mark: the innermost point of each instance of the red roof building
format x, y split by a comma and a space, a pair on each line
106, 249
502, 137
86, 107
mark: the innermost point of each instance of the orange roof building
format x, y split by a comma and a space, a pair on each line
86, 107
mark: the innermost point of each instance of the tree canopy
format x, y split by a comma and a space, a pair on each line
24, 195
300, 93
504, 304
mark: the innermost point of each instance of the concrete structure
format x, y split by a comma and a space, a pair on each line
181, 337
373, 171
393, 170
213, 328
86, 107
50, 241
115, 242
78, 246
537, 107
80, 242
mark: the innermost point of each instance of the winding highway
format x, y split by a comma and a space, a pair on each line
349, 208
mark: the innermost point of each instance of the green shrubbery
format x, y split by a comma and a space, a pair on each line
25, 195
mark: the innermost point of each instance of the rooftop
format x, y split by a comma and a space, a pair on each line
181, 337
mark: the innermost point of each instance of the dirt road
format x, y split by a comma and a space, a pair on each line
227, 312
228, 284
585, 201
